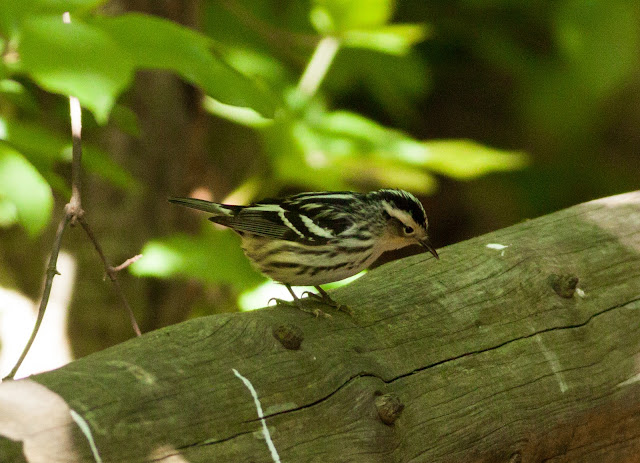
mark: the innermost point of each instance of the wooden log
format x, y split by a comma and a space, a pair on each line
522, 345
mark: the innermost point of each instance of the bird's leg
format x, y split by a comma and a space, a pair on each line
324, 297
298, 303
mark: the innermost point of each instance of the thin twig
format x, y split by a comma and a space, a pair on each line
126, 263
76, 204
75, 114
51, 272
111, 272
318, 66
76, 161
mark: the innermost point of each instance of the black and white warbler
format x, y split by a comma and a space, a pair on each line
321, 237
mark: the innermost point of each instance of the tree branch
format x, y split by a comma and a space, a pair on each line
112, 272
517, 346
50, 273
73, 213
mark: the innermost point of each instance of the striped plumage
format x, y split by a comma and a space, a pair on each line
321, 237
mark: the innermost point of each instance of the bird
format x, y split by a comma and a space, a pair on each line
314, 238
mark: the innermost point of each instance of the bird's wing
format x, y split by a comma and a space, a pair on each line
206, 206
263, 224
277, 221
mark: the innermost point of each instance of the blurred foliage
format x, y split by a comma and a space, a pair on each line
214, 256
25, 194
300, 95
309, 147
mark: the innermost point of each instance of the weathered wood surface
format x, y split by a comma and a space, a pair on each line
493, 355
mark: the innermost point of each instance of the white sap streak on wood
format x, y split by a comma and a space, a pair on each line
265, 429
552, 358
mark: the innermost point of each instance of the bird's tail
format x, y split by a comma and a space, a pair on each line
202, 205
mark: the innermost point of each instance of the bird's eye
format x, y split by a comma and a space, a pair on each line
408, 230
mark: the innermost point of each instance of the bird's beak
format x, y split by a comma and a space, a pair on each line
425, 243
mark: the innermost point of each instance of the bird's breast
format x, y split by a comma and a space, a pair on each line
298, 264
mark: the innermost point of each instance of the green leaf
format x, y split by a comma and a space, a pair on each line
75, 59
299, 157
466, 159
214, 256
72, 6
8, 213
160, 44
341, 149
243, 116
22, 185
395, 39
332, 16
260, 66
14, 12
462, 159
388, 173
15, 92
45, 149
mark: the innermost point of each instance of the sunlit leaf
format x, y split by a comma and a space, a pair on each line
395, 39
299, 158
157, 43
340, 149
237, 114
466, 159
260, 66
22, 185
214, 256
8, 213
330, 16
462, 159
75, 59
388, 173
14, 12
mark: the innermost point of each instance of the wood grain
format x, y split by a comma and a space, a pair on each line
528, 353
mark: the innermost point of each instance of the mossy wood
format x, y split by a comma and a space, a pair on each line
522, 345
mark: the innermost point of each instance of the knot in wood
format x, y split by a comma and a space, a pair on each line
290, 336
389, 408
564, 285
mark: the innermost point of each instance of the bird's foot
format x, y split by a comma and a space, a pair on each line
297, 303
324, 297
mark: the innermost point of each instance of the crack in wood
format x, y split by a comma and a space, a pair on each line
445, 361
528, 336
203, 443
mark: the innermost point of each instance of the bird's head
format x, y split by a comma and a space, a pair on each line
406, 220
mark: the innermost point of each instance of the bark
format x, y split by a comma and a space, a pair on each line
524, 352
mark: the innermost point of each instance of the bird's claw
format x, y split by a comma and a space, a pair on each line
326, 299
297, 304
